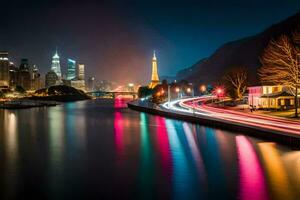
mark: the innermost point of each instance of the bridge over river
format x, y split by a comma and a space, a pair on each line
112, 94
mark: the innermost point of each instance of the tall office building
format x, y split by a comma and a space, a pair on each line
13, 74
56, 65
154, 76
80, 72
24, 66
79, 82
35, 78
24, 79
91, 83
71, 71
51, 79
4, 70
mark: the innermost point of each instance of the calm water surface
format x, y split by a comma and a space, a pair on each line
98, 149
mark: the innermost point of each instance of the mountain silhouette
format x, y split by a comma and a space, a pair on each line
245, 52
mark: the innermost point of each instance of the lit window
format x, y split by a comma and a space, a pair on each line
282, 102
292, 101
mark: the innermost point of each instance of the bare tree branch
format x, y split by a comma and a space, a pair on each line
237, 78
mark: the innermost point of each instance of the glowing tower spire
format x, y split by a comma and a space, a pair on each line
154, 76
56, 64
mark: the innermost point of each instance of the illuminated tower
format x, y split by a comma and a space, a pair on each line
154, 76
71, 69
80, 72
4, 69
56, 65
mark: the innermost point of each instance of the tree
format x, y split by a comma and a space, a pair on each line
2, 95
280, 65
20, 89
237, 82
144, 91
160, 93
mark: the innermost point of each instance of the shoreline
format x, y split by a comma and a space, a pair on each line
23, 104
283, 138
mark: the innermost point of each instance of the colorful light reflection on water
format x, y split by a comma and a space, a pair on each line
101, 149
187, 151
252, 179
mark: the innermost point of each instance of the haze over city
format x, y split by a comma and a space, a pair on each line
114, 37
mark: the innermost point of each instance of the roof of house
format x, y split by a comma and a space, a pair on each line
278, 94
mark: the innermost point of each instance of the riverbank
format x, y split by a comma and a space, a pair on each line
281, 137
21, 104
60, 98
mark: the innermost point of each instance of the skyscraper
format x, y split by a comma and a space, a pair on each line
13, 74
80, 72
79, 82
4, 70
24, 79
24, 66
71, 71
154, 76
56, 65
51, 79
35, 78
91, 83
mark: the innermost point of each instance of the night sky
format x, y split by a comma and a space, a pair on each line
115, 39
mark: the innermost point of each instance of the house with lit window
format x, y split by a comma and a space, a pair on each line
270, 97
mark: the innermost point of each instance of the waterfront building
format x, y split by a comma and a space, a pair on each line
24, 66
55, 67
104, 85
35, 78
4, 70
23, 79
78, 84
71, 71
154, 76
23, 75
80, 72
13, 74
270, 97
91, 83
51, 79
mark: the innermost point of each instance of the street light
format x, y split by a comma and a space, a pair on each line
203, 88
177, 90
219, 92
188, 90
131, 87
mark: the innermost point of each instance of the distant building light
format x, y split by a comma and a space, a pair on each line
70, 60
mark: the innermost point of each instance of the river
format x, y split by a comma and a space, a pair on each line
101, 149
